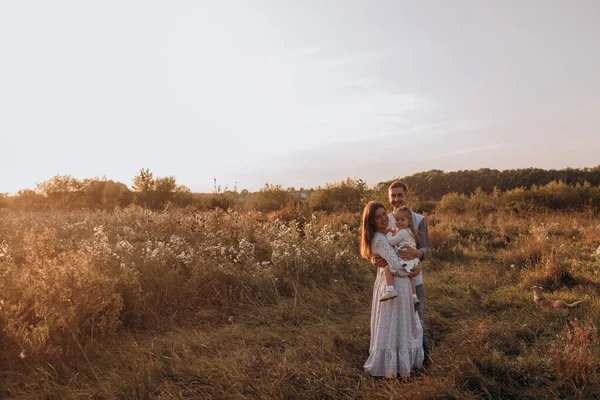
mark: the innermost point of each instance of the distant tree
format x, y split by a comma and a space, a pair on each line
29, 200
433, 184
270, 198
157, 192
107, 194
144, 181
350, 195
62, 192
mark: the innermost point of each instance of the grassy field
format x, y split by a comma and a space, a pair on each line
217, 305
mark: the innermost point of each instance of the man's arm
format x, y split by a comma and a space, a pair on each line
423, 234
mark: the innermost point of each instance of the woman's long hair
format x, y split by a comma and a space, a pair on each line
411, 223
368, 228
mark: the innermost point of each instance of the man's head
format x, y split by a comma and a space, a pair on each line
398, 194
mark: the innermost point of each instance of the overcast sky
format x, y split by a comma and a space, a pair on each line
297, 93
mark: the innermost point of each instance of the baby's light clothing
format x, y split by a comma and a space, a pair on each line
403, 238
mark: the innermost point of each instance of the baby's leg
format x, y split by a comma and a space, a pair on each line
413, 289
390, 291
389, 278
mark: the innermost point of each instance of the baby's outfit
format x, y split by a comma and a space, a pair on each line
403, 238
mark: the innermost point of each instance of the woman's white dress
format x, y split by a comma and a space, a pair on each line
396, 334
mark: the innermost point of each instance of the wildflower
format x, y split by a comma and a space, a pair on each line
3, 249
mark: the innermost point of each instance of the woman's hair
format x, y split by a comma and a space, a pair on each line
411, 225
368, 228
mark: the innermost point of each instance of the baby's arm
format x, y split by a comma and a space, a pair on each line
389, 234
400, 236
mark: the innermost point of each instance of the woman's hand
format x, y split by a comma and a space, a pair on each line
379, 262
408, 253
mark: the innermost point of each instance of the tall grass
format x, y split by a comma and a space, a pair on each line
216, 304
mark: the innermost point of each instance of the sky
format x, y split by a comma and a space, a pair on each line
296, 93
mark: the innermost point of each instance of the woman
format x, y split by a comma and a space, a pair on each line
396, 335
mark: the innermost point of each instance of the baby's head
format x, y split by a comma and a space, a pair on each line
403, 217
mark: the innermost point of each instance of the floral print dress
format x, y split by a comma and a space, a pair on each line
396, 346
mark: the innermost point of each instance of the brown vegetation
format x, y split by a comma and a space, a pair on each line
241, 304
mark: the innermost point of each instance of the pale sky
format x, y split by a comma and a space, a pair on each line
297, 93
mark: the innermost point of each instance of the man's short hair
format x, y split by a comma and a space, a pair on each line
399, 184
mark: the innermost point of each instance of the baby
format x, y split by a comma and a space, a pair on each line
404, 235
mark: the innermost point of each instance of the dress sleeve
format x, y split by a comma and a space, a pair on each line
382, 248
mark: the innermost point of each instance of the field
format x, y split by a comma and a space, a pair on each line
139, 304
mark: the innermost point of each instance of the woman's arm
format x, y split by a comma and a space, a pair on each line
382, 248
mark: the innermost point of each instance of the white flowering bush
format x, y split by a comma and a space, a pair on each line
316, 253
56, 299
71, 277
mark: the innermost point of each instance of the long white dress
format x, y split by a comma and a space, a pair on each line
396, 346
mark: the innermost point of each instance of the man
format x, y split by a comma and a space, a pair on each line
398, 197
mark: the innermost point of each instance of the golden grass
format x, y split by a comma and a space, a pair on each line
216, 305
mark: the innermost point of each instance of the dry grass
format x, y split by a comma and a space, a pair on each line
575, 357
181, 305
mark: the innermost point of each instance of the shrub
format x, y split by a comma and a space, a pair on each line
483, 202
554, 272
453, 202
444, 242
59, 299
349, 195
270, 198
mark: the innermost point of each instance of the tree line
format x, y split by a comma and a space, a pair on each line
433, 184
482, 189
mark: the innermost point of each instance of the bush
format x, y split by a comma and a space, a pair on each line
453, 202
482, 202
554, 272
71, 277
349, 195
57, 300
270, 198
